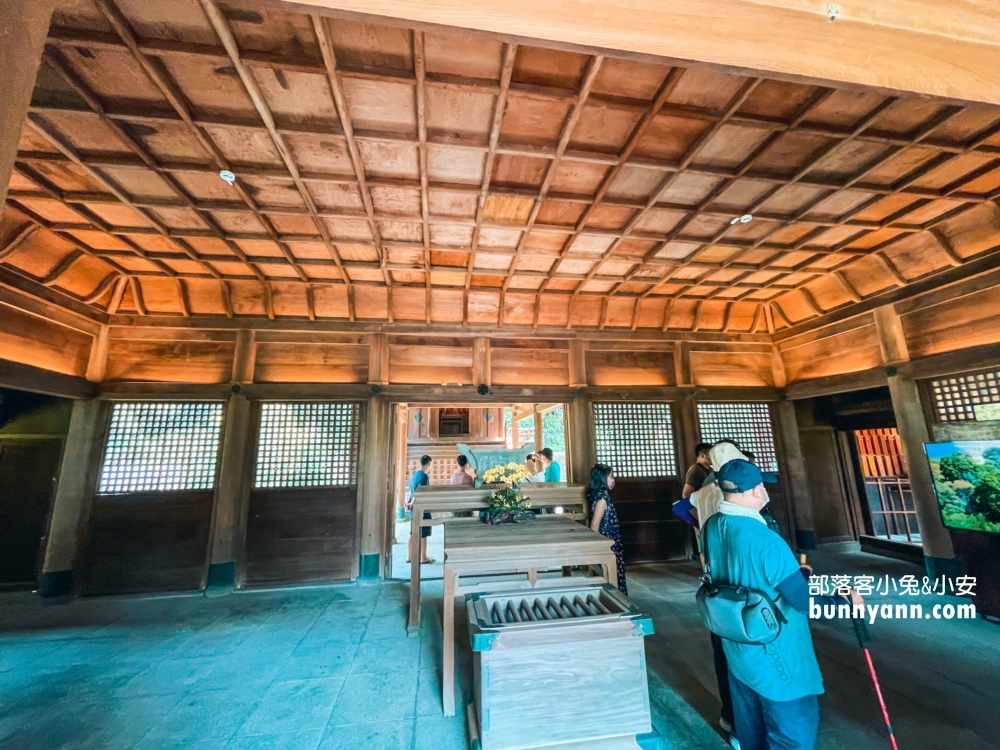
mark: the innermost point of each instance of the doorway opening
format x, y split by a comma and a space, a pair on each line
437, 431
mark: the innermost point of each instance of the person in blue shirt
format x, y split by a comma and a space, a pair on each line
419, 479
775, 687
553, 472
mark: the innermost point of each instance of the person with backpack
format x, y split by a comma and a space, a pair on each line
774, 684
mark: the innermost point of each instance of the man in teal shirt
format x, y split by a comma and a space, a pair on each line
553, 473
774, 686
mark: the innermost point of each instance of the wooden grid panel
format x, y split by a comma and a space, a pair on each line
307, 445
636, 440
881, 453
955, 399
161, 447
748, 424
397, 174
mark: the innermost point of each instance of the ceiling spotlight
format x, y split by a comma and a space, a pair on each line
227, 177
744, 219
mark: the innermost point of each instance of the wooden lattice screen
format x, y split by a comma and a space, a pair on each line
881, 453
636, 440
161, 446
307, 445
956, 398
748, 424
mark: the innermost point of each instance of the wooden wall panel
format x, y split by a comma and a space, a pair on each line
152, 541
848, 351
170, 361
294, 362
650, 531
732, 368
529, 366
955, 324
34, 341
301, 535
420, 363
630, 368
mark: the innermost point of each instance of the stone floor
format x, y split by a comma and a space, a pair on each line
332, 668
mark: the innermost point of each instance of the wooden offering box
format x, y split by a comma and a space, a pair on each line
562, 667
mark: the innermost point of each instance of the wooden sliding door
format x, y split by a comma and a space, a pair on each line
302, 519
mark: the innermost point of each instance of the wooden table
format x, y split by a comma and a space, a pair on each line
482, 550
447, 499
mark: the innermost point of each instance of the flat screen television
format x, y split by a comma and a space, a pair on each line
967, 483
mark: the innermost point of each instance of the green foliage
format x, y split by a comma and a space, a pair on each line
959, 466
992, 456
553, 430
986, 495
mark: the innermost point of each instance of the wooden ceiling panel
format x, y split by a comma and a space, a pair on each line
668, 137
473, 173
533, 120
455, 164
381, 105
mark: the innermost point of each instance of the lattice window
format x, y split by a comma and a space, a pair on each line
967, 398
161, 446
747, 424
307, 445
636, 440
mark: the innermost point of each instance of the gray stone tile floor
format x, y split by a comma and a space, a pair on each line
332, 668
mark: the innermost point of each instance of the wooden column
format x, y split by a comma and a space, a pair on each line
481, 362
688, 431
74, 490
24, 24
97, 366
244, 356
577, 363
911, 422
580, 439
374, 489
539, 430
378, 360
682, 364
793, 469
778, 367
231, 494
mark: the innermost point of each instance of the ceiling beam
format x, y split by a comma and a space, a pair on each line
902, 45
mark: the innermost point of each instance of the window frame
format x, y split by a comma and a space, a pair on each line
772, 422
674, 439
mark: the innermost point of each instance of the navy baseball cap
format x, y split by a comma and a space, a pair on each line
742, 476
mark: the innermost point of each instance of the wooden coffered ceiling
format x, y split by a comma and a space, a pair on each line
393, 174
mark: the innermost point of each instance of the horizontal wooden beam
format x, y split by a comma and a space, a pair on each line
902, 45
36, 380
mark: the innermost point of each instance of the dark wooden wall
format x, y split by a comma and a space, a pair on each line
300, 535
650, 530
149, 541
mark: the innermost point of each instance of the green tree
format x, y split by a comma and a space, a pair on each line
957, 467
992, 456
986, 496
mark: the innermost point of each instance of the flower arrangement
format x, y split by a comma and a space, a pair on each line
506, 504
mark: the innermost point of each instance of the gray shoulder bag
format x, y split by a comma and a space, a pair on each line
737, 613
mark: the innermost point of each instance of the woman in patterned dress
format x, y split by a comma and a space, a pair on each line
604, 517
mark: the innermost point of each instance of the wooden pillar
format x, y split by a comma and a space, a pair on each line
911, 423
24, 24
682, 364
244, 356
580, 448
378, 360
74, 490
374, 489
97, 366
231, 494
539, 429
577, 363
688, 431
481, 362
793, 469
778, 367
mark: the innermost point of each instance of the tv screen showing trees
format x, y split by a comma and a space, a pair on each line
967, 482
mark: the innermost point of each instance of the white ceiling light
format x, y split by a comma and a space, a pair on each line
227, 177
744, 219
